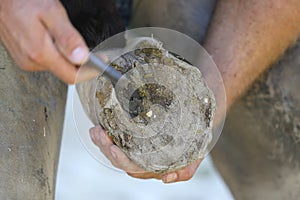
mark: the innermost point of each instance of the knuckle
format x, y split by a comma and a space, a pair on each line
36, 55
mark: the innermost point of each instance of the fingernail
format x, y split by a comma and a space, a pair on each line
102, 137
113, 153
79, 55
170, 178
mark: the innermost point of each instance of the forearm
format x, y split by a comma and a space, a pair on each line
247, 36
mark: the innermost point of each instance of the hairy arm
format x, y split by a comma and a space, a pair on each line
247, 36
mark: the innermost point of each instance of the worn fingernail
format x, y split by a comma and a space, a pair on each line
170, 178
113, 152
102, 137
79, 55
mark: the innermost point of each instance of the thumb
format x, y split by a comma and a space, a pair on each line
66, 37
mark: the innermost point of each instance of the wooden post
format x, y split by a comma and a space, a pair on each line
31, 121
32, 109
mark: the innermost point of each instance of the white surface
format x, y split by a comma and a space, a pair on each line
81, 177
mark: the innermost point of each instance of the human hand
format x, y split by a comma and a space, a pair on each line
40, 37
121, 161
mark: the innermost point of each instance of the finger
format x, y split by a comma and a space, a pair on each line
183, 174
66, 37
116, 156
101, 140
104, 143
123, 162
87, 72
188, 172
42, 52
50, 58
145, 175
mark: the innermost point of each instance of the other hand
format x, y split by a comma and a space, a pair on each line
121, 161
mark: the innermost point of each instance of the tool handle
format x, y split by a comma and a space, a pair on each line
108, 71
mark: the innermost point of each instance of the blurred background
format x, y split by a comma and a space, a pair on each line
81, 177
